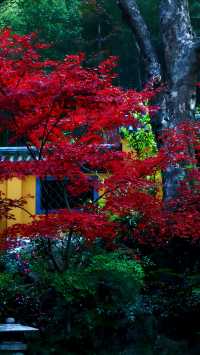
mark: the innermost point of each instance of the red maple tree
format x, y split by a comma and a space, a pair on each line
64, 113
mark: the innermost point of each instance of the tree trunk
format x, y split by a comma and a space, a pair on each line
181, 64
181, 52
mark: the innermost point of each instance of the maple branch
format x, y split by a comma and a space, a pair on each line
102, 195
25, 210
45, 135
45, 132
105, 193
45, 139
34, 156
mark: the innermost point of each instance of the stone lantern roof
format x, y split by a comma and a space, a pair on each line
11, 326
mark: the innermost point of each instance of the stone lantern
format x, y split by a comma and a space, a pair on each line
12, 337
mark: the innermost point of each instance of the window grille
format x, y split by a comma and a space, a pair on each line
52, 195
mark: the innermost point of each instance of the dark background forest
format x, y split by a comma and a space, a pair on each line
95, 27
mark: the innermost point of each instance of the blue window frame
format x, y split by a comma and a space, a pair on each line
50, 196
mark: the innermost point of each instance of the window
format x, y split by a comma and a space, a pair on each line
51, 196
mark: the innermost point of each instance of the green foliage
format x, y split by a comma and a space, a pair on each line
5, 280
142, 140
115, 269
57, 22
98, 293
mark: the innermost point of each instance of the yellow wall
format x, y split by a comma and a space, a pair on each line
29, 188
26, 188
14, 191
158, 175
20, 188
126, 148
3, 189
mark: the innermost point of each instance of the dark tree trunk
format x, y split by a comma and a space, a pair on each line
181, 63
181, 52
